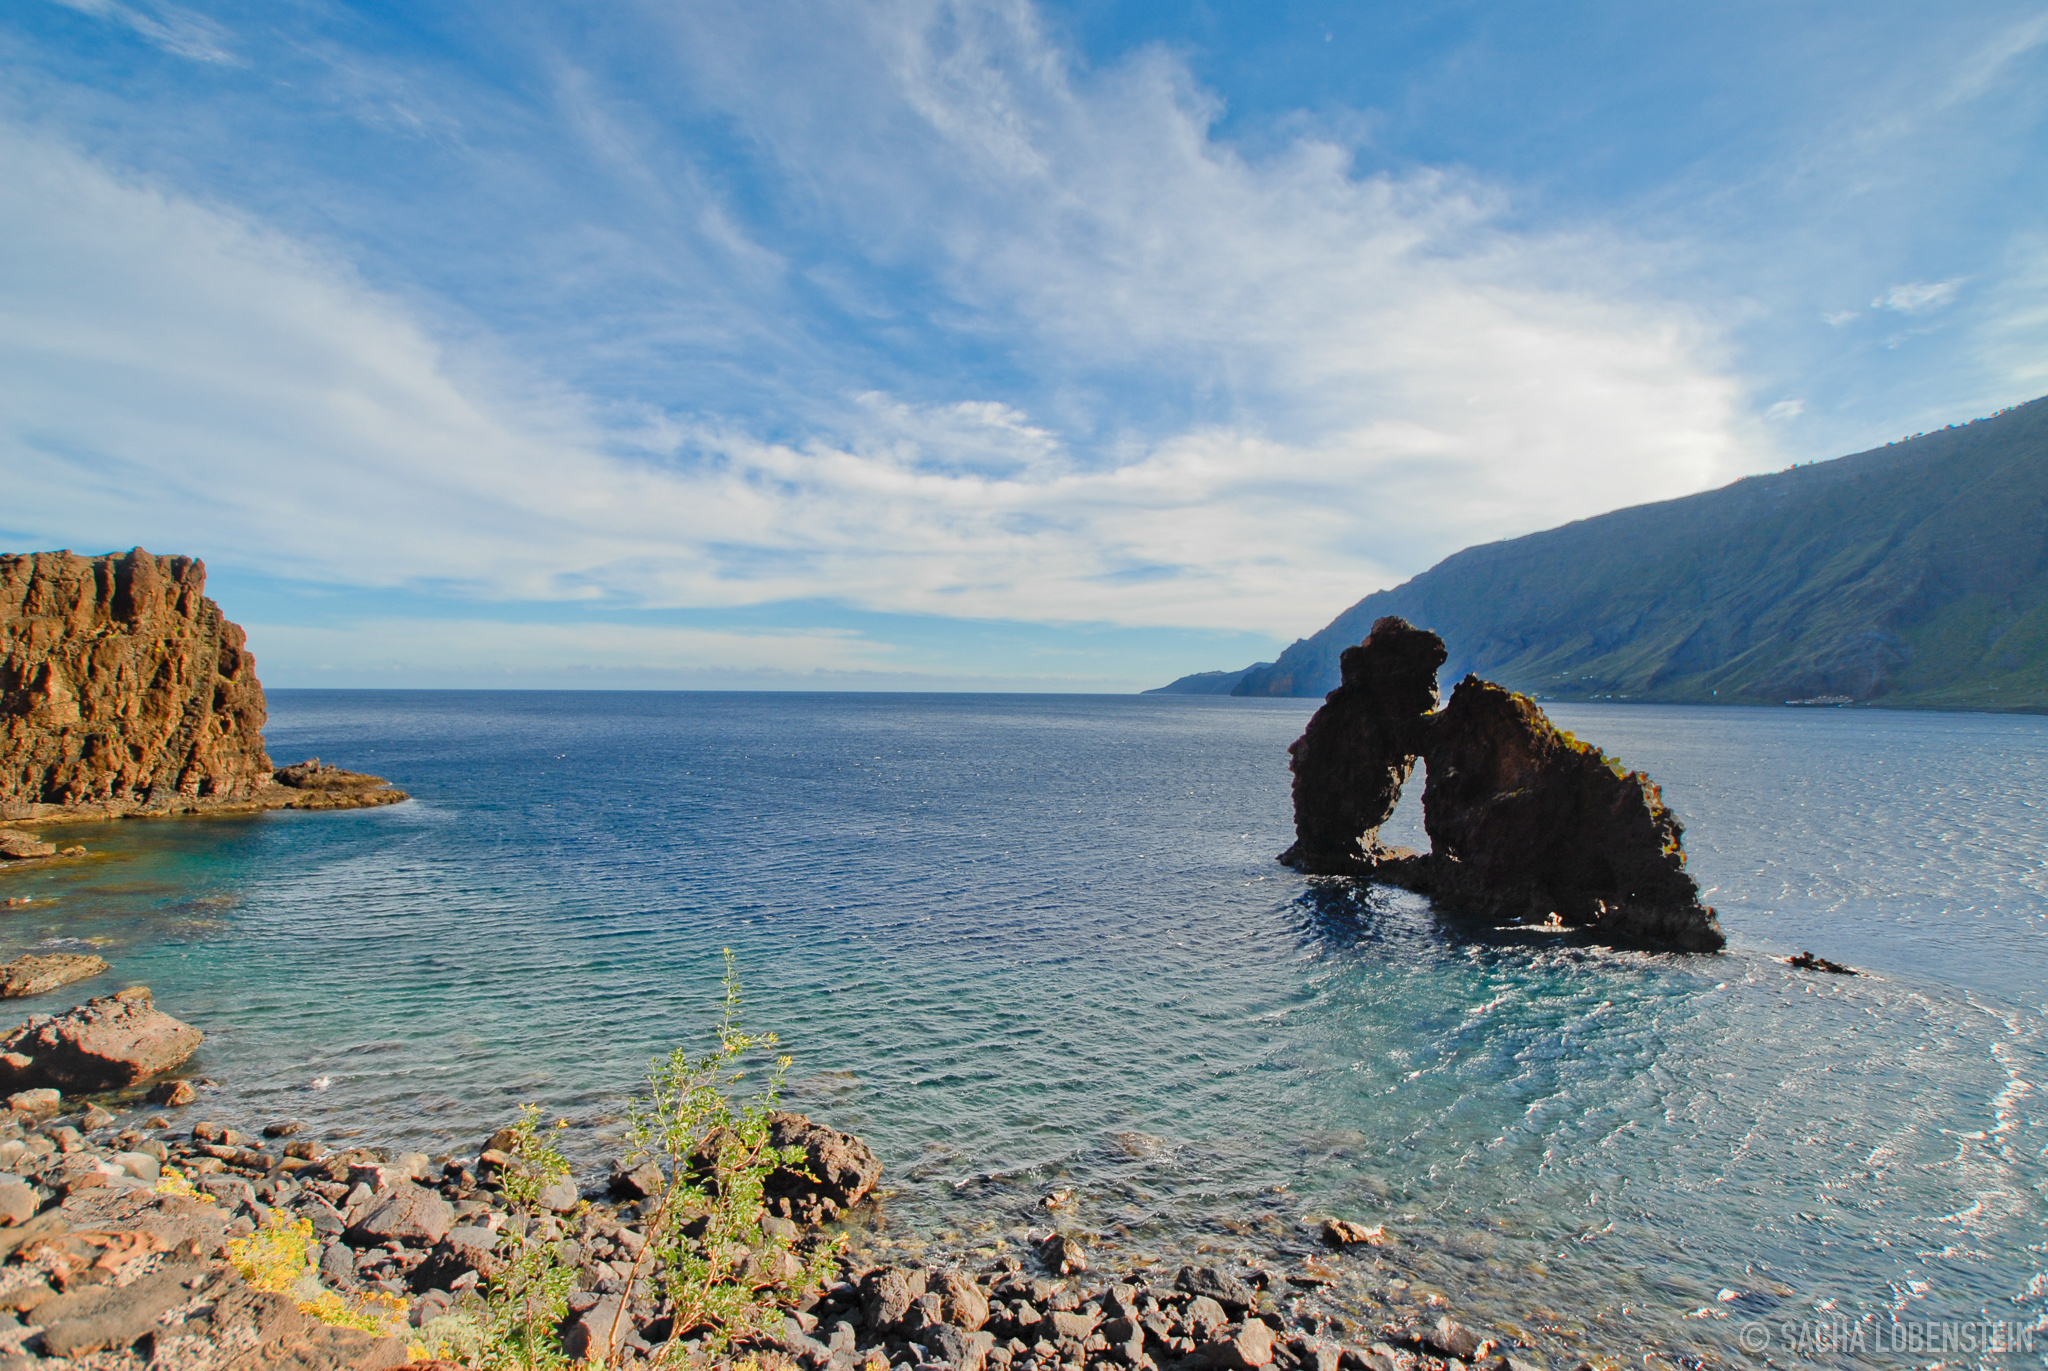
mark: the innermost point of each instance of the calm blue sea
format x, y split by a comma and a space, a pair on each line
1021, 943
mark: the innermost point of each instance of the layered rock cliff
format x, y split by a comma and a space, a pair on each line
1526, 824
124, 689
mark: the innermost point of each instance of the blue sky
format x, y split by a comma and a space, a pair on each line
963, 346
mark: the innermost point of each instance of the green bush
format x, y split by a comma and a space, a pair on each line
707, 1263
715, 1271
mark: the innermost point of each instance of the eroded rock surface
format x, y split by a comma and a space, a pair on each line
841, 1171
30, 974
120, 680
124, 689
103, 1044
1526, 823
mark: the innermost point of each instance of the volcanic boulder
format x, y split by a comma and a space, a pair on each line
839, 1170
1526, 823
103, 1044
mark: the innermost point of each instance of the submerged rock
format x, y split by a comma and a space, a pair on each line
16, 846
1527, 824
103, 1044
34, 975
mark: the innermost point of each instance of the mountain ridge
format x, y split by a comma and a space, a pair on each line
1914, 574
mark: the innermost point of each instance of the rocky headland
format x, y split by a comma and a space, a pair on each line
1527, 824
125, 691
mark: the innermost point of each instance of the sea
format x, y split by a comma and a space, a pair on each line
1037, 952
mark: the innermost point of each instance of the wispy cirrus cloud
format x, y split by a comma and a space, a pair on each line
1384, 364
180, 32
1918, 297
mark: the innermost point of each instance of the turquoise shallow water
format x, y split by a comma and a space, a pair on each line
1031, 942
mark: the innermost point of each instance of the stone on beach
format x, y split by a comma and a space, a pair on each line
406, 1213
35, 1104
104, 1044
18, 1202
1345, 1233
1226, 1290
959, 1348
839, 1170
964, 1305
595, 1333
34, 974
173, 1093
639, 1182
1063, 1254
888, 1293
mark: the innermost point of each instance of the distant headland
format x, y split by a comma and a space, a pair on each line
125, 691
1912, 575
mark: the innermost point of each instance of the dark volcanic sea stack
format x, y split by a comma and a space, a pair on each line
1350, 765
1526, 824
119, 679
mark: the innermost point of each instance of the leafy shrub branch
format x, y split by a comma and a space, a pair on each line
714, 1267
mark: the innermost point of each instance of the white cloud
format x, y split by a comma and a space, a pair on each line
383, 651
1785, 411
1841, 317
1918, 297
1383, 374
177, 31
404, 648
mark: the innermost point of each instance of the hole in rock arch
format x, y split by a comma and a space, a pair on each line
1405, 828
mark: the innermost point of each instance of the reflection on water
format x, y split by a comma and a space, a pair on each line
1029, 945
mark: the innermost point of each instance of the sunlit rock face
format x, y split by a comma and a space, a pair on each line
122, 685
1527, 825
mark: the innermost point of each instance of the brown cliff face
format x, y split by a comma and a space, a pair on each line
120, 680
124, 689
1526, 824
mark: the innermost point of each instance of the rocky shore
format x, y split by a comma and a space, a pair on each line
305, 785
120, 1228
139, 1231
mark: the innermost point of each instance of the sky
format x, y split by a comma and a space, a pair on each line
963, 346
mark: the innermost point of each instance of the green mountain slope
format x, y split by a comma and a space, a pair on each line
1915, 574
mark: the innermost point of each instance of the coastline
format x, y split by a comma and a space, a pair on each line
149, 1193
339, 908
276, 795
